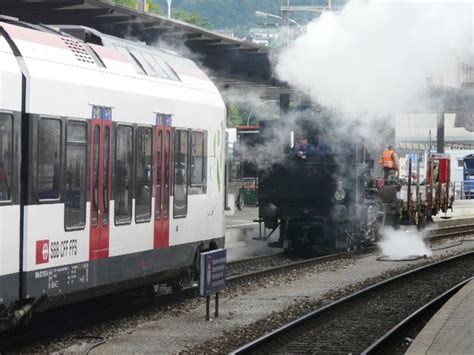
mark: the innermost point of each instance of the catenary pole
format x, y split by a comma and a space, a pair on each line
169, 7
285, 15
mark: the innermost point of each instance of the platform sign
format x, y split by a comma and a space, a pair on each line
213, 271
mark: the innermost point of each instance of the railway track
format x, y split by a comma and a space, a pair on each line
107, 308
276, 263
298, 263
353, 323
256, 263
450, 231
395, 340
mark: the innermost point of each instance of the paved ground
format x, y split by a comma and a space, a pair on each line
173, 334
242, 218
240, 234
451, 330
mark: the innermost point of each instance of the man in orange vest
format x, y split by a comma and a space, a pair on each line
389, 162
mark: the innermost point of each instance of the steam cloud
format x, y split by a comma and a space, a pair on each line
374, 58
403, 243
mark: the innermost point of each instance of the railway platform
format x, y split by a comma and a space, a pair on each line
461, 209
451, 330
240, 231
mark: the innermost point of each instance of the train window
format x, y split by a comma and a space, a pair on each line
105, 189
49, 159
170, 73
159, 167
95, 179
76, 170
135, 62
180, 200
166, 197
6, 157
156, 66
144, 174
123, 174
198, 161
145, 62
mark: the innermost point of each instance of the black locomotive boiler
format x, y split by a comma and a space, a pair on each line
320, 202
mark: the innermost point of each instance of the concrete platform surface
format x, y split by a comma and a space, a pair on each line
242, 218
461, 209
451, 330
240, 231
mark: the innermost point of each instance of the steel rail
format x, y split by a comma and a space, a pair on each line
394, 334
331, 306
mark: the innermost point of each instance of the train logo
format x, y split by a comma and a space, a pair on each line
42, 252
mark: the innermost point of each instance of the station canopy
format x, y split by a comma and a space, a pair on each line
230, 61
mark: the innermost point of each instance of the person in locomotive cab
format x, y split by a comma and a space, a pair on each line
303, 149
389, 162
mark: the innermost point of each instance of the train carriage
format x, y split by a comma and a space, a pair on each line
121, 147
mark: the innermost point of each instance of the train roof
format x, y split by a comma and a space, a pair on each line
147, 60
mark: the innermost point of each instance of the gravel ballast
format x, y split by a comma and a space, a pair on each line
250, 310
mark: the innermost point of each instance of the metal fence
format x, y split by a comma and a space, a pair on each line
463, 190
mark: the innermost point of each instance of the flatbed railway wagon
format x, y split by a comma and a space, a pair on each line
111, 166
417, 202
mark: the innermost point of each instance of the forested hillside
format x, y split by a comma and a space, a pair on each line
237, 14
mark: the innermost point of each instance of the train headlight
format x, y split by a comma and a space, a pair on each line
340, 194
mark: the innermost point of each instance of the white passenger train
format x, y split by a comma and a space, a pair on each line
111, 165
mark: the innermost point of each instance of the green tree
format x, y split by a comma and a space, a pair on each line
191, 17
233, 115
129, 3
153, 7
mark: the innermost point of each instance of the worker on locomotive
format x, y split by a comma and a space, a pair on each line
304, 150
390, 163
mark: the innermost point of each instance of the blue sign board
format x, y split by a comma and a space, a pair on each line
167, 120
102, 113
213, 271
163, 119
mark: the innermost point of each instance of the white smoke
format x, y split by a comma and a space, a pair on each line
373, 58
403, 243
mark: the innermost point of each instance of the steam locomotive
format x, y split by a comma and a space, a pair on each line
331, 200
318, 203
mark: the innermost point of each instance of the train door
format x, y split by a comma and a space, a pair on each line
163, 144
100, 178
